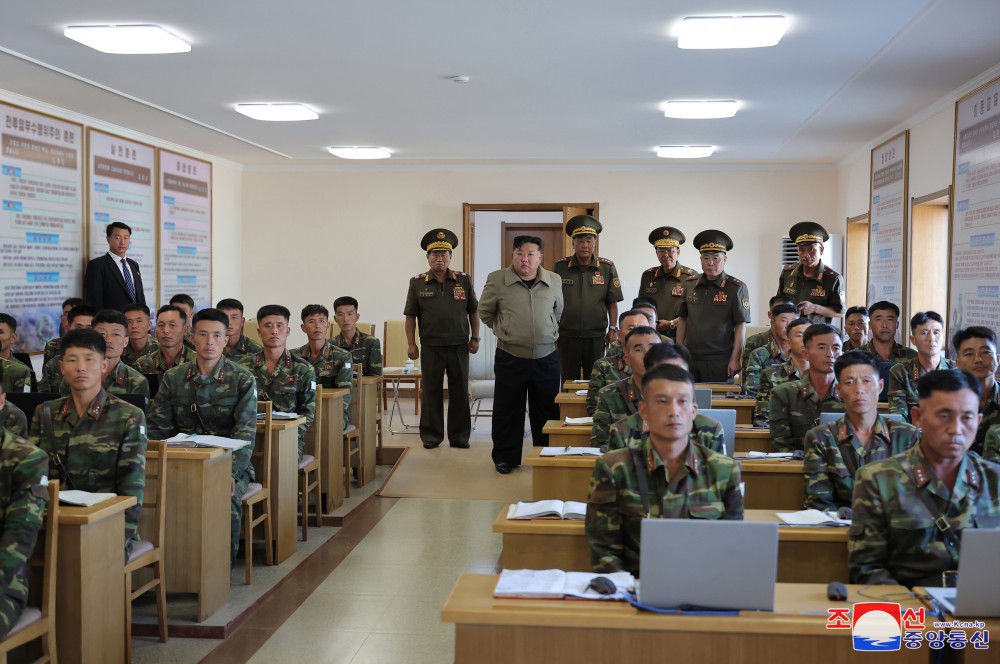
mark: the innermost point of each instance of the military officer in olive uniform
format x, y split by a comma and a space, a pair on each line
713, 318
664, 284
443, 303
818, 290
592, 291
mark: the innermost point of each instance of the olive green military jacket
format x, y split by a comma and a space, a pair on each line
23, 498
712, 311
770, 378
753, 342
442, 309
334, 369
291, 388
130, 356
14, 420
606, 371
123, 379
704, 431
761, 358
991, 417
244, 346
991, 444
366, 350
588, 290
903, 377
666, 289
795, 409
825, 289
14, 376
897, 354
154, 363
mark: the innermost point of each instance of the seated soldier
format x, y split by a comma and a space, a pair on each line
682, 479
363, 347
991, 446
856, 327
976, 347
51, 348
171, 322
140, 334
884, 326
120, 378
835, 451
647, 306
909, 510
613, 367
332, 364
927, 334
12, 418
761, 339
185, 303
12, 376
796, 368
23, 497
795, 406
215, 396
238, 345
775, 352
619, 400
705, 431
79, 318
95, 441
283, 378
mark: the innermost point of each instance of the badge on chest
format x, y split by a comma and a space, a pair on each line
597, 279
721, 296
789, 288
677, 291
458, 293
819, 291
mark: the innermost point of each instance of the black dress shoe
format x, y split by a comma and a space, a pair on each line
503, 467
463, 446
430, 446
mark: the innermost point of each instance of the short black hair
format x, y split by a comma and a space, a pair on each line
117, 224
947, 380
273, 310
642, 330
86, 339
670, 372
974, 332
345, 301
527, 239
784, 308
210, 314
313, 309
230, 304
853, 357
643, 303
80, 310
661, 353
819, 329
631, 312
781, 298
883, 305
183, 298
923, 317
135, 306
169, 307
110, 316
9, 321
73, 302
795, 323
857, 310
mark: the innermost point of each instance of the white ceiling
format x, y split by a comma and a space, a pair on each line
550, 79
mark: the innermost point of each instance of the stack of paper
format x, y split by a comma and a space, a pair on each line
578, 420
570, 451
83, 498
812, 518
202, 440
769, 455
578, 380
581, 393
279, 415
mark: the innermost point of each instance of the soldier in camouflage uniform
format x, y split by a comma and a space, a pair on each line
755, 341
795, 406
238, 345
884, 326
684, 480
909, 511
185, 303
14, 376
776, 351
991, 446
79, 317
170, 329
51, 348
664, 284
835, 451
977, 353
23, 498
796, 368
365, 348
612, 368
8, 337
619, 400
140, 339
856, 327
817, 290
926, 332
215, 396
284, 379
95, 441
332, 364
12, 418
121, 378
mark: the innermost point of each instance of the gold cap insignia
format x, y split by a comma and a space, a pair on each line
666, 232
440, 235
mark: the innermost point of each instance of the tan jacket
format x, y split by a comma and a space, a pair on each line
525, 321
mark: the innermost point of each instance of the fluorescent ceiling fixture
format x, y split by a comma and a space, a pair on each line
287, 112
360, 152
127, 39
703, 110
685, 151
731, 31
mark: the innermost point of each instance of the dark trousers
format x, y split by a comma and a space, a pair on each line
578, 355
710, 368
515, 378
435, 362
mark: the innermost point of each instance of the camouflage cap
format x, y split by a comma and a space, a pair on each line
583, 224
807, 232
666, 236
713, 241
439, 239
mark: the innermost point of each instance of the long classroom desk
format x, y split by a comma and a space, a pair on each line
502, 631
284, 485
720, 389
571, 405
331, 441
813, 554
748, 439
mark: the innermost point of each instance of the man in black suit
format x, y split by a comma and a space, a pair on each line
113, 281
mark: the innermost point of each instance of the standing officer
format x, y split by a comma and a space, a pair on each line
664, 284
445, 303
591, 291
818, 290
714, 315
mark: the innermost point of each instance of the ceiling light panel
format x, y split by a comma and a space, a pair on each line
685, 151
141, 39
360, 152
700, 110
702, 32
278, 112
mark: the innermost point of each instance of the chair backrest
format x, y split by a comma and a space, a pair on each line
357, 396
49, 566
250, 330
481, 364
29, 401
156, 477
154, 383
334, 329
394, 343
261, 457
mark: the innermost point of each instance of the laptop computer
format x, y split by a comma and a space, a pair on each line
977, 594
727, 418
708, 564
826, 418
703, 397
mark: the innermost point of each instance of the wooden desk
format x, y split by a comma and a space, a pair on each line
370, 386
573, 386
561, 478
90, 592
502, 631
331, 441
743, 407
571, 405
805, 554
573, 435
196, 539
753, 440
719, 389
284, 485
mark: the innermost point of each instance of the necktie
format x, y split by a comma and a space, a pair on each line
128, 280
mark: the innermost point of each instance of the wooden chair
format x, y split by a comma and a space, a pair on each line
379, 389
352, 436
394, 354
310, 465
34, 623
259, 493
147, 553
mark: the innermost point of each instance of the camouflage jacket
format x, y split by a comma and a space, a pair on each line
795, 408
614, 402
51, 376
130, 357
291, 388
14, 420
123, 379
244, 346
760, 359
606, 371
708, 487
704, 431
991, 417
753, 342
834, 454
770, 378
22, 508
50, 350
893, 538
14, 376
903, 379
366, 350
103, 451
991, 445
222, 404
155, 363
334, 369
897, 353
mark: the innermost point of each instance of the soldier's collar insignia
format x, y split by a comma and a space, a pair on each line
120, 374
972, 477
921, 477
222, 371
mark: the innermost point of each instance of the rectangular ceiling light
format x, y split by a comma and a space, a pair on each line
731, 31
283, 112
127, 39
360, 152
700, 110
685, 151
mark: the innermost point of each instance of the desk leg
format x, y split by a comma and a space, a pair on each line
369, 437
332, 468
284, 493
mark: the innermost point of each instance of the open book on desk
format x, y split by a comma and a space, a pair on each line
812, 518
279, 415
204, 440
570, 451
557, 584
569, 510
83, 498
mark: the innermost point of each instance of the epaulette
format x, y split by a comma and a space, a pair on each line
788, 268
605, 260
564, 259
688, 271
733, 279
422, 275
693, 277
